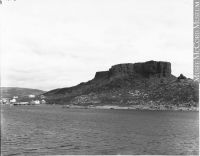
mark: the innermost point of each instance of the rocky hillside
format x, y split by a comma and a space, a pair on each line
131, 84
9, 92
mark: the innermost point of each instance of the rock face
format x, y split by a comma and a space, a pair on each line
146, 69
101, 74
181, 77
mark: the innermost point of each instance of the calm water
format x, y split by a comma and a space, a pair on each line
44, 130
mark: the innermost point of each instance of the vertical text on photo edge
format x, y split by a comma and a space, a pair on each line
196, 40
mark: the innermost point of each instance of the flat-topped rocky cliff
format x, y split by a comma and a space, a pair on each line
146, 69
147, 83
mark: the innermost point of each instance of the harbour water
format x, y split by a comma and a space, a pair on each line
53, 130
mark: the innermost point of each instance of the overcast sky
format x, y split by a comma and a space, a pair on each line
48, 44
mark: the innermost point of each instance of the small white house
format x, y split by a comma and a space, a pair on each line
37, 102
13, 100
43, 101
31, 96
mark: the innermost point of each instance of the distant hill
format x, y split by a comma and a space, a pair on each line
148, 83
9, 92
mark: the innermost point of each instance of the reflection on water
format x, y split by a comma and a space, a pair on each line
43, 130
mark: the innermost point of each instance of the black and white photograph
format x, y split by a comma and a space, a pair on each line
99, 77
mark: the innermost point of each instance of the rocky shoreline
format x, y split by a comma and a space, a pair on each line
138, 107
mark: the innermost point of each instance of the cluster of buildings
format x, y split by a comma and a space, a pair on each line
30, 100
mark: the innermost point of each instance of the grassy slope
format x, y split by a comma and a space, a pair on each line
129, 91
9, 92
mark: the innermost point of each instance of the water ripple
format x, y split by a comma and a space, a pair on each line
50, 131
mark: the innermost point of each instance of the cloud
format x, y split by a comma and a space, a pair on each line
50, 44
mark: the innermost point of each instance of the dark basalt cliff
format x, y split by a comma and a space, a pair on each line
102, 74
147, 69
131, 84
